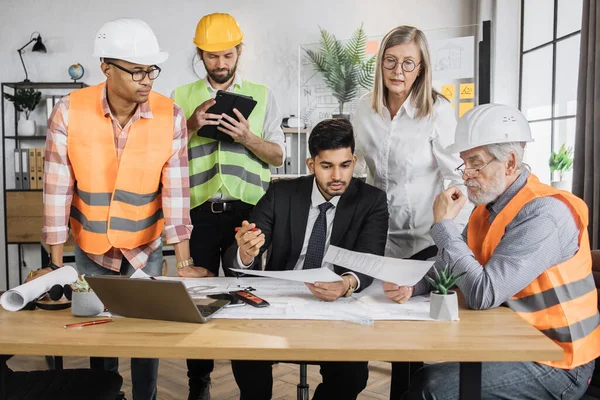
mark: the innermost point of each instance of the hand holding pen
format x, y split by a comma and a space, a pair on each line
249, 239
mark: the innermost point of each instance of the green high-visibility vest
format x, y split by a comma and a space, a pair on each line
214, 164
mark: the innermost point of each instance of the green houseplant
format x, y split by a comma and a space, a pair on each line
25, 101
81, 285
444, 303
345, 67
561, 161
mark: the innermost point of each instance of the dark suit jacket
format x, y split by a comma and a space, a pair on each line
360, 224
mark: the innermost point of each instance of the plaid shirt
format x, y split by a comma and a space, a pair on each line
59, 184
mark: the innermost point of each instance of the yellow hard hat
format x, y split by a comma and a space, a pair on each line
218, 32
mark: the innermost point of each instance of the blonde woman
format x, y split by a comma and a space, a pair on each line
402, 128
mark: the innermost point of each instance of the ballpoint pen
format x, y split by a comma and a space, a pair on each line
237, 229
87, 323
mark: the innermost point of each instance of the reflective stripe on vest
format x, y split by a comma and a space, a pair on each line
215, 164
562, 301
117, 202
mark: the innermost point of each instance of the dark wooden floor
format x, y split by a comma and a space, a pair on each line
172, 380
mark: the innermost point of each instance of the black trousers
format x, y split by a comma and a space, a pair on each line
341, 380
402, 371
212, 235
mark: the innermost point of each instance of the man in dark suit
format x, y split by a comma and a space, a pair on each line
297, 220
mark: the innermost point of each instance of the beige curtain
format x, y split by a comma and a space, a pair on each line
586, 164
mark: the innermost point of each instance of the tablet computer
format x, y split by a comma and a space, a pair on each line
226, 102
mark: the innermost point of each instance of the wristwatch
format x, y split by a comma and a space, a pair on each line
350, 290
53, 266
184, 263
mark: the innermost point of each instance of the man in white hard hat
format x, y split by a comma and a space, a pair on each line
117, 170
226, 179
526, 246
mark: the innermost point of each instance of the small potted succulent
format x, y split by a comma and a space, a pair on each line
25, 101
561, 162
85, 303
444, 303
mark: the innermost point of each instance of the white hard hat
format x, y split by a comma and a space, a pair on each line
130, 40
490, 124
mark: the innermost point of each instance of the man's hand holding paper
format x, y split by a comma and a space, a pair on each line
394, 270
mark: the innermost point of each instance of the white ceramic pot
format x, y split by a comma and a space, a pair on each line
86, 304
444, 306
562, 185
26, 127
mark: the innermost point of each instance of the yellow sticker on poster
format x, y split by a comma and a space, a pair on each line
467, 90
464, 107
448, 91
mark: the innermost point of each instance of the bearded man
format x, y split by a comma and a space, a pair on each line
227, 178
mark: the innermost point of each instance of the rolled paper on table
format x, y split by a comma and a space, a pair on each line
17, 298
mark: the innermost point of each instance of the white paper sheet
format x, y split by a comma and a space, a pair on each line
139, 274
17, 298
399, 271
303, 275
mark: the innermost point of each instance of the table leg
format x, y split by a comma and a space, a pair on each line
470, 381
58, 362
3, 386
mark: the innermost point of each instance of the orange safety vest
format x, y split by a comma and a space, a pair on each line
116, 203
562, 301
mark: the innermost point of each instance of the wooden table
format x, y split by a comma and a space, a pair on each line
493, 335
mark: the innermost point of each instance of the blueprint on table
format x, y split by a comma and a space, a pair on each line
293, 300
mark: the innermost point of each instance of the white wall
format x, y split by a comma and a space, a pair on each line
273, 31
506, 36
506, 46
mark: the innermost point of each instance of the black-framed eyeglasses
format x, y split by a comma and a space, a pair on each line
475, 170
139, 75
408, 65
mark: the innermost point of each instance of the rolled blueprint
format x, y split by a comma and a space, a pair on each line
17, 298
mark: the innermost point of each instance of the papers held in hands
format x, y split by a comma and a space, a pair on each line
226, 102
395, 270
303, 275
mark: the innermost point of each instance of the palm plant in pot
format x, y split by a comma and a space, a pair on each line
345, 67
25, 101
444, 303
561, 161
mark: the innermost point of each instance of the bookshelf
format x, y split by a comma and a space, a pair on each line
23, 208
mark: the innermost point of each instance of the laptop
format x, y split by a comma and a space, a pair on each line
153, 299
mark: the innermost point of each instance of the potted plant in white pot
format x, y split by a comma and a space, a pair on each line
444, 303
84, 302
25, 101
345, 67
561, 162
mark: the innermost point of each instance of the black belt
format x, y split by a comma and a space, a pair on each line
220, 207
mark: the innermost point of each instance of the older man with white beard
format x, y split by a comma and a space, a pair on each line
526, 246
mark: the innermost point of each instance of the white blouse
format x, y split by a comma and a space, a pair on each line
405, 157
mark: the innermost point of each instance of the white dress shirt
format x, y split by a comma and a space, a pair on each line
316, 200
272, 131
405, 158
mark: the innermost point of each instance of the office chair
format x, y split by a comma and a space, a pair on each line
302, 387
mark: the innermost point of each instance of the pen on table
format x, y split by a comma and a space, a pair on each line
237, 229
87, 323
